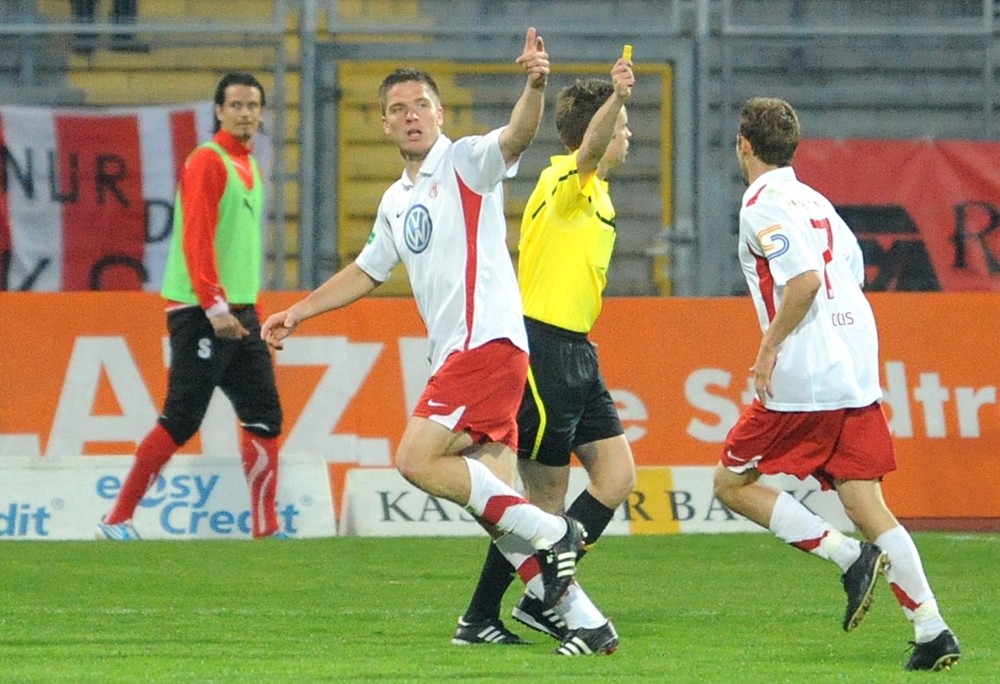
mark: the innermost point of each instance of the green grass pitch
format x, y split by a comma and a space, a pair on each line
691, 608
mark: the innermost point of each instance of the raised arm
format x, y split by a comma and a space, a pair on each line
601, 128
527, 114
347, 285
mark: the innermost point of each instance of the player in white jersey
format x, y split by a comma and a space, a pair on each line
465, 286
817, 407
444, 220
787, 228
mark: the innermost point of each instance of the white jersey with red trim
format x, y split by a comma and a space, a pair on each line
830, 360
449, 230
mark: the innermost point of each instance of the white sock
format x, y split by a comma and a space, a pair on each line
501, 506
909, 584
519, 551
575, 606
795, 524
578, 610
839, 548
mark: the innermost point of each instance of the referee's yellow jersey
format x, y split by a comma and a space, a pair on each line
567, 235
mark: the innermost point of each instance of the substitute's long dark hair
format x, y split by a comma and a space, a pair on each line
236, 78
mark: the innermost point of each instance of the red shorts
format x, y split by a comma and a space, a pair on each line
478, 391
846, 444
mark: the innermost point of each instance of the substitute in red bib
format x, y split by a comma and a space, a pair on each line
211, 285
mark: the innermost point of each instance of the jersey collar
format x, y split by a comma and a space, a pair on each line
431, 161
781, 174
231, 144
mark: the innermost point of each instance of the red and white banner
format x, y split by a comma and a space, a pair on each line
927, 212
87, 194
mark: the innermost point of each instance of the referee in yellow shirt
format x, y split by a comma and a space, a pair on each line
567, 237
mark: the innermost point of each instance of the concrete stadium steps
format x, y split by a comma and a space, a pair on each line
172, 10
378, 10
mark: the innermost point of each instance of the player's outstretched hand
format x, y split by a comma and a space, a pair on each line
535, 59
277, 327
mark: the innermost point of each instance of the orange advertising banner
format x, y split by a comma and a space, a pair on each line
85, 374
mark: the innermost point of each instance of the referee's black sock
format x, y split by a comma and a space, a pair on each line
592, 514
494, 579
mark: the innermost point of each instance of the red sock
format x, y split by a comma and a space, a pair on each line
529, 569
530, 573
153, 453
260, 466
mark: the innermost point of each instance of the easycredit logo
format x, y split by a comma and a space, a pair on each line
192, 505
24, 520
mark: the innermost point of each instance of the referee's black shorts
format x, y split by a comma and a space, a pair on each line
566, 401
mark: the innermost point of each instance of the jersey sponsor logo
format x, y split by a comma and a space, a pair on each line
772, 241
417, 228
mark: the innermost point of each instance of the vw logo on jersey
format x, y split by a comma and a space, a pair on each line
417, 228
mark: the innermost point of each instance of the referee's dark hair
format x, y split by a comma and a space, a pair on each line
576, 106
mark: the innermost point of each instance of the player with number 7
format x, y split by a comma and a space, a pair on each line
817, 408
